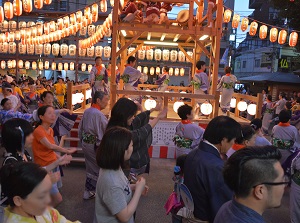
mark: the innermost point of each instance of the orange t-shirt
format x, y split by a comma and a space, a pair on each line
42, 155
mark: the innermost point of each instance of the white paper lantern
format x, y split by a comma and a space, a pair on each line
77, 98
141, 54
14, 63
190, 53
98, 51
30, 49
157, 70
55, 49
157, 54
139, 68
152, 70
176, 105
64, 49
27, 65
145, 70
181, 71
39, 49
149, 54
171, 71
72, 66
12, 48
91, 30
173, 56
107, 51
176, 71
108, 33
41, 65
47, 65
9, 64
206, 108
60, 66
47, 49
22, 24
53, 66
33, 65
181, 56
20, 64
5, 25
3, 64
130, 50
82, 52
251, 109
66, 66
232, 102
83, 67
90, 51
72, 50
242, 106
90, 66
4, 47
149, 104
166, 55
12, 25
82, 31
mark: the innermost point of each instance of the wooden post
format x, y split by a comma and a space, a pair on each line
191, 14
69, 95
84, 98
259, 105
237, 112
216, 105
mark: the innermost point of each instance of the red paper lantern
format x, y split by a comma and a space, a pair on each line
87, 12
1, 14
47, 2
244, 24
235, 21
17, 7
253, 28
293, 39
263, 32
8, 10
282, 37
227, 16
38, 4
27, 5
273, 35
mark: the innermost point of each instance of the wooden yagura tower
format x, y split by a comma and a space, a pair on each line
191, 35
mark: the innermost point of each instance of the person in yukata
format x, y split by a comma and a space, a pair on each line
91, 130
204, 165
188, 135
99, 77
258, 181
163, 80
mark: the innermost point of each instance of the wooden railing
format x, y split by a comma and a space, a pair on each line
72, 89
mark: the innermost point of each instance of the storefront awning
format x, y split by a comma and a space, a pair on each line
278, 77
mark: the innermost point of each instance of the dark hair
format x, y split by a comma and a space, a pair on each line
250, 166
227, 70
41, 112
121, 112
199, 64
180, 162
110, 154
269, 97
12, 137
282, 94
98, 94
3, 101
44, 94
20, 179
184, 110
284, 116
131, 59
222, 127
166, 69
247, 133
98, 58
256, 124
288, 105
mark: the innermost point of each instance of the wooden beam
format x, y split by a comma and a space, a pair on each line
127, 44
185, 53
205, 51
135, 50
191, 14
189, 39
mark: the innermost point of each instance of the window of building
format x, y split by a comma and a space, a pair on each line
63, 5
257, 63
244, 64
238, 65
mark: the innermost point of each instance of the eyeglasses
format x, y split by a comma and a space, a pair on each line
285, 182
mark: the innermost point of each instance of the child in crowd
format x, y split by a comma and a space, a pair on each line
188, 135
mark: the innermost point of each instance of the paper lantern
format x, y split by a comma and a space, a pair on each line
98, 51
78, 17
130, 50
141, 54
273, 35
82, 31
90, 66
190, 54
227, 16
282, 37
235, 21
3, 64
88, 93
244, 24
66, 21
17, 5
176, 71
77, 98
66, 66
177, 105
72, 66
293, 39
108, 33
14, 63
47, 49
12, 25
82, 52
149, 104
242, 106
145, 70
83, 67
91, 30
157, 54
30, 49
47, 2
90, 51
8, 10
60, 66
30, 24
112, 3
38, 4
152, 70
41, 65
47, 65
12, 48
5, 25
157, 70
1, 14
181, 56
139, 68
64, 49
72, 50
20, 64
251, 109
27, 65
9, 64
4, 47
263, 32
55, 49
33, 65
206, 108
232, 102
181, 71
103, 5
53, 66
106, 51
149, 54
166, 55
87, 12
39, 49
253, 28
171, 71
173, 55
27, 5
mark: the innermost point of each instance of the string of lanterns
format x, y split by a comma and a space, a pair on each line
176, 71
274, 35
